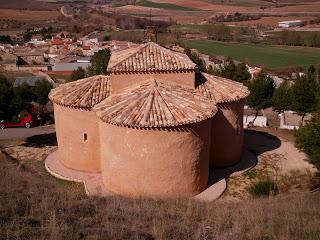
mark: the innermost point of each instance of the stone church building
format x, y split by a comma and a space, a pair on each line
152, 127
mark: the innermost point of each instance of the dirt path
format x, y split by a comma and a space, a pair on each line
23, 133
278, 159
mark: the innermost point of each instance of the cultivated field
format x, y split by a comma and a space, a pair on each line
248, 6
25, 15
200, 10
182, 17
270, 21
268, 56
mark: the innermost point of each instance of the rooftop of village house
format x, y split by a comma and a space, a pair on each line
155, 103
149, 57
84, 93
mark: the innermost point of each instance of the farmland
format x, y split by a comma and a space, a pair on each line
170, 6
247, 6
268, 56
25, 15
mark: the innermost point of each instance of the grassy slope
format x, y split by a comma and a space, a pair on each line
168, 6
274, 57
33, 206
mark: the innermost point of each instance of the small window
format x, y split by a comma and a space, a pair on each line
85, 137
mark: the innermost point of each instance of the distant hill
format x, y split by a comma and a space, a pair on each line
37, 4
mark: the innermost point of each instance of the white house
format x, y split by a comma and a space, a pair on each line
292, 23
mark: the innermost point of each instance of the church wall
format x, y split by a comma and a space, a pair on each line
155, 162
227, 134
121, 81
78, 138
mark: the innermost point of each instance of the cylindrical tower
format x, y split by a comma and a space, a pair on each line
227, 134
76, 124
155, 140
227, 124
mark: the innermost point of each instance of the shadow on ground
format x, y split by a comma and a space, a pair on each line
260, 142
41, 140
255, 144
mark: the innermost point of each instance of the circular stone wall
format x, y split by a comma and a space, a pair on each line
78, 138
227, 134
155, 162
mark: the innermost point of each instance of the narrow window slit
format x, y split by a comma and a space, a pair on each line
85, 137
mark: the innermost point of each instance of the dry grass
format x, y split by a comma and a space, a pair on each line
33, 206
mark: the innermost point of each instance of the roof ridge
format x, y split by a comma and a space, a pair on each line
169, 51
163, 99
138, 48
149, 57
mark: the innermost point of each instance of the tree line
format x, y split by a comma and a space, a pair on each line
301, 96
99, 63
14, 99
293, 38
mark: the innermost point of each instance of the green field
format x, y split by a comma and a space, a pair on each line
169, 6
268, 56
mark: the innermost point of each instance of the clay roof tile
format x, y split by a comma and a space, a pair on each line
84, 93
149, 57
155, 103
220, 89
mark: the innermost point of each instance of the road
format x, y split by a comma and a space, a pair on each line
62, 11
23, 133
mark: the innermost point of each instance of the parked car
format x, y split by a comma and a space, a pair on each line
24, 119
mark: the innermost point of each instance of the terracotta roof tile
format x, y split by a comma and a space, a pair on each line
221, 89
155, 103
84, 93
149, 57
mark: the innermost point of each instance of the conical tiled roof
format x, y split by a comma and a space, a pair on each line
149, 57
84, 93
221, 90
155, 104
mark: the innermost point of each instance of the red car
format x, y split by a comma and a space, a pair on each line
25, 119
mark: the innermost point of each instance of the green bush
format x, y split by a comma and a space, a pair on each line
263, 188
315, 156
307, 138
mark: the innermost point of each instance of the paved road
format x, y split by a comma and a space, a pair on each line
22, 133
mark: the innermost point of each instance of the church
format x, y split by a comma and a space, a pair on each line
152, 126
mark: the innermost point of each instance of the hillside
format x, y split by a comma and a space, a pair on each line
47, 209
36, 4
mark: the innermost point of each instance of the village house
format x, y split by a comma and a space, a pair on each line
29, 56
152, 127
291, 120
70, 63
8, 61
116, 46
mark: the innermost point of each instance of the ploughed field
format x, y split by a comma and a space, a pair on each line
25, 15
268, 56
249, 6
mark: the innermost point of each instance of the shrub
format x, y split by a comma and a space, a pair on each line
307, 138
263, 188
